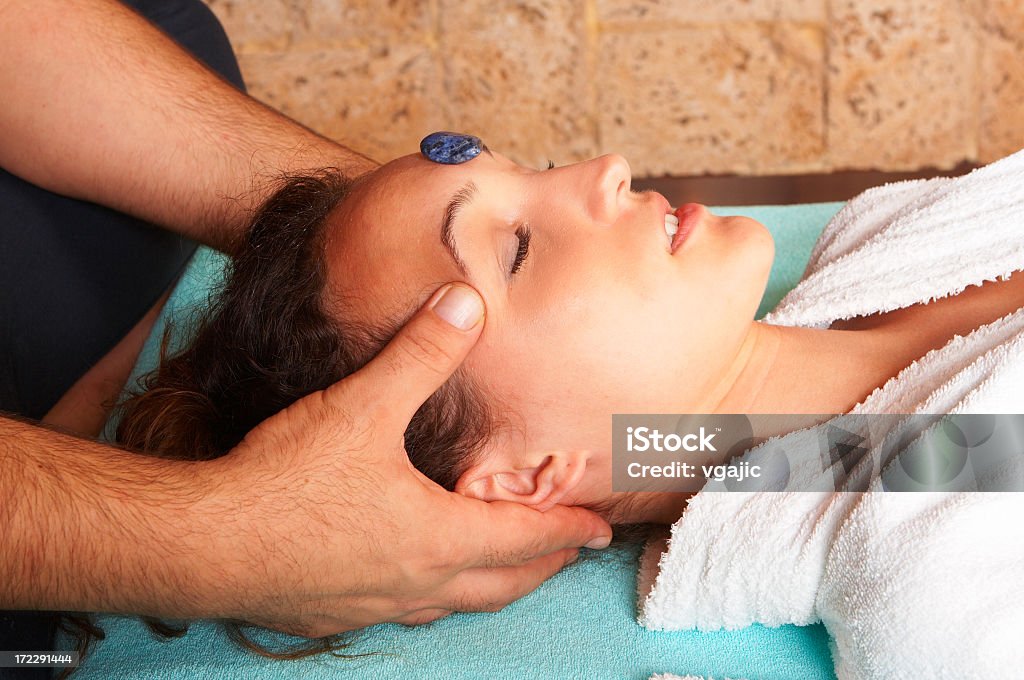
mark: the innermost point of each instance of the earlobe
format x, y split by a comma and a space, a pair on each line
540, 486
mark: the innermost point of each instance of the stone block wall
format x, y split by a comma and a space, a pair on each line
679, 87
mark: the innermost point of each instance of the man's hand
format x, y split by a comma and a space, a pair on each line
332, 528
316, 523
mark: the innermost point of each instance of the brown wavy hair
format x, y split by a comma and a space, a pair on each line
270, 336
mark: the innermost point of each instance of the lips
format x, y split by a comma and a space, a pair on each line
689, 216
681, 222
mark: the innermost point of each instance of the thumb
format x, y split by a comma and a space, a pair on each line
424, 354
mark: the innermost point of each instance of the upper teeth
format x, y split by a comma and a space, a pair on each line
671, 226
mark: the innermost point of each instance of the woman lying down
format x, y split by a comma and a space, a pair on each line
601, 300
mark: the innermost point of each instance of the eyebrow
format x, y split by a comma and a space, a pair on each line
459, 200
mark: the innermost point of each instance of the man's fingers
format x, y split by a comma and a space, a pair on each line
501, 534
488, 590
424, 354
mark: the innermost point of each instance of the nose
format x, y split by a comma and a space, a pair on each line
611, 187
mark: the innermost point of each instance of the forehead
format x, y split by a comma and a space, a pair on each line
383, 247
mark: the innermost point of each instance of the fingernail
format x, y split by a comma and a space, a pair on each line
599, 543
460, 306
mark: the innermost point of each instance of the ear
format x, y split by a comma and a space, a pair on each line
541, 485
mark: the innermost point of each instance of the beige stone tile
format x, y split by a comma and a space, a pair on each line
379, 101
902, 86
1005, 17
744, 98
710, 11
276, 25
515, 74
1002, 81
258, 25
330, 21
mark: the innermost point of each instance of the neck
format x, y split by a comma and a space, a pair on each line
785, 370
782, 369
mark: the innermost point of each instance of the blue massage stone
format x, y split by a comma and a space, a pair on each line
450, 148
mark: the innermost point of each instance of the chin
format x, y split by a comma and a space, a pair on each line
757, 243
760, 232
750, 265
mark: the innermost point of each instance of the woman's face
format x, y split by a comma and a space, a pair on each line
599, 318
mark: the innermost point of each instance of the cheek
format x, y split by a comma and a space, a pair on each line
596, 338
574, 348
601, 347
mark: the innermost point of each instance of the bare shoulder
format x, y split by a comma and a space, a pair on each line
927, 326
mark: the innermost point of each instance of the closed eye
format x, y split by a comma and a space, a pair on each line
523, 234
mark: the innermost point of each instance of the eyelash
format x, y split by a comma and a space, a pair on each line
523, 234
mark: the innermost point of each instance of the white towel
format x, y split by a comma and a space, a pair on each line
908, 584
908, 242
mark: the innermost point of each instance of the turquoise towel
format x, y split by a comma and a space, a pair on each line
581, 623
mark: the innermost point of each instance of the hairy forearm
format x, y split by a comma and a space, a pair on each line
104, 107
88, 527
